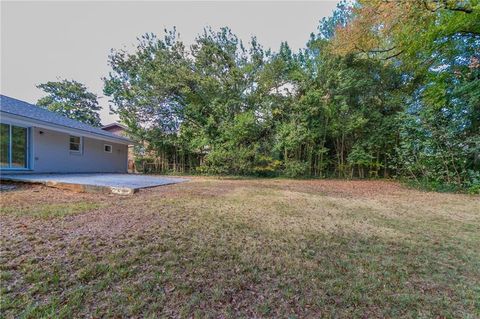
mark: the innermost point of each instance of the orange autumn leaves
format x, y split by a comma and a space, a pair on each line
382, 27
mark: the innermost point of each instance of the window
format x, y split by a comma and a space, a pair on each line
107, 148
75, 144
13, 146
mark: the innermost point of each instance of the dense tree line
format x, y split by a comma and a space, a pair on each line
383, 88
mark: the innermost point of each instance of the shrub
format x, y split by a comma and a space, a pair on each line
294, 168
266, 166
473, 183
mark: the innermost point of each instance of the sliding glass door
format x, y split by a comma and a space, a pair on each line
4, 145
13, 146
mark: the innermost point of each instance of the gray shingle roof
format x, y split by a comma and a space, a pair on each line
24, 109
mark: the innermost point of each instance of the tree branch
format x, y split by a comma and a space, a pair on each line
374, 50
394, 56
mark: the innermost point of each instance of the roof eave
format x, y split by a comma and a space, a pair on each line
63, 128
114, 124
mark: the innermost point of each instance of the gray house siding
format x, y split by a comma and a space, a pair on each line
35, 140
51, 154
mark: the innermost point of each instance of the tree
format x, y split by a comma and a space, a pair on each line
413, 30
197, 99
71, 99
436, 45
385, 88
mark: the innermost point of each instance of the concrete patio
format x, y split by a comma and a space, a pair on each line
123, 184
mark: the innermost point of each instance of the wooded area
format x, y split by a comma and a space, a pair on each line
382, 89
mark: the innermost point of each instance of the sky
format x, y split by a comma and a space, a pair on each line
46, 41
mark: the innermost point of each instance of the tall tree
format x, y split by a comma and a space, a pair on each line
436, 44
71, 99
384, 88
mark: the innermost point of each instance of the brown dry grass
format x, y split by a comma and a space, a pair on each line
241, 248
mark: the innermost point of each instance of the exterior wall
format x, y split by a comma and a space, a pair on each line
118, 130
51, 154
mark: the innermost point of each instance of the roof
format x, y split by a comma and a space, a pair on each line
26, 110
115, 124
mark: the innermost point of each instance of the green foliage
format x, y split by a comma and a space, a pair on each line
435, 45
266, 166
295, 168
71, 99
224, 161
473, 182
365, 110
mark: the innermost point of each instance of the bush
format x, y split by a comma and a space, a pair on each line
473, 183
218, 162
295, 169
474, 189
222, 161
266, 166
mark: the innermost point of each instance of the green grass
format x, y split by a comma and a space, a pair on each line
436, 186
50, 210
241, 249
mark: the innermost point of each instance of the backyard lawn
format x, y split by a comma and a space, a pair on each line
241, 248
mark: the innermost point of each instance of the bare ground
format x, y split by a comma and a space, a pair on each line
241, 248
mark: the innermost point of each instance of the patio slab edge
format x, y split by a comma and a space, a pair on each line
84, 188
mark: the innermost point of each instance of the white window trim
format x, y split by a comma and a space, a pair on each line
111, 148
80, 145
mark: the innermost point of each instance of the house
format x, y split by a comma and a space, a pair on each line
35, 140
116, 128
121, 130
